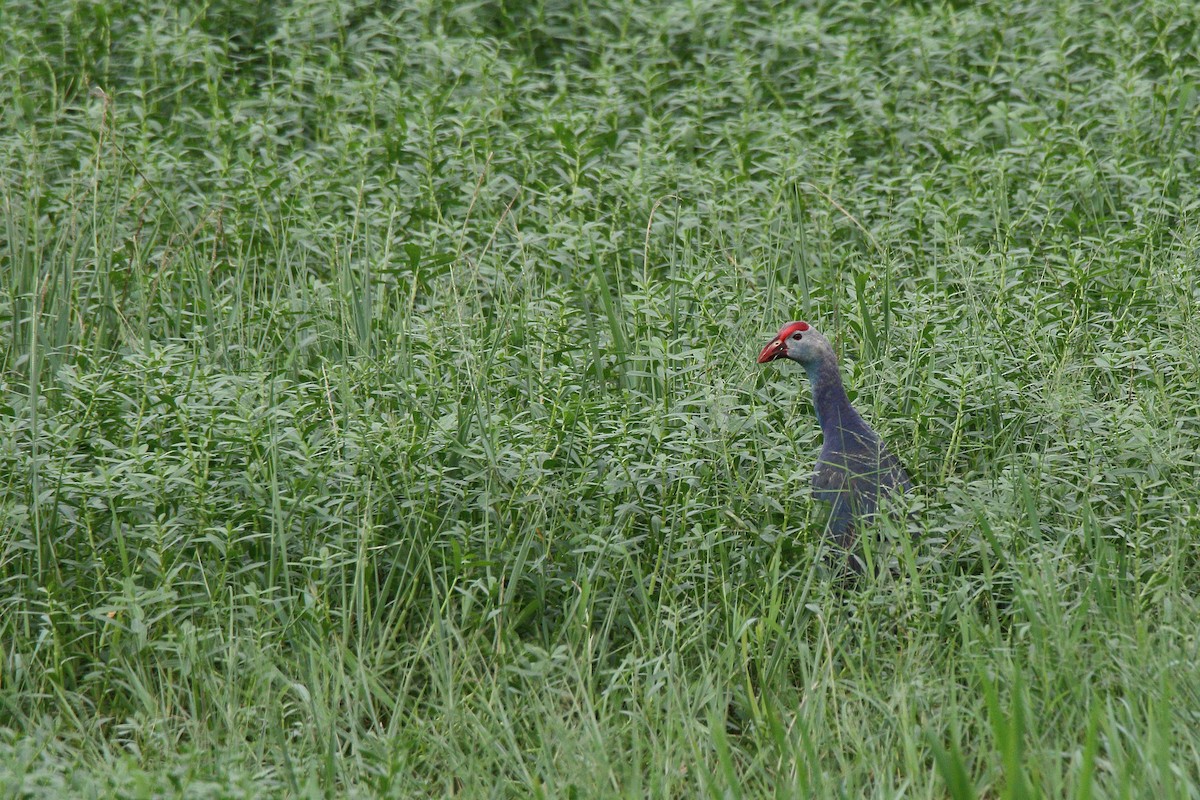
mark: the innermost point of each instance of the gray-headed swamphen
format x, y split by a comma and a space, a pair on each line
855, 469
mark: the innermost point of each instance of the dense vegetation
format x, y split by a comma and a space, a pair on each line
378, 413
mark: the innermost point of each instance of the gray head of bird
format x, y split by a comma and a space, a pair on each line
800, 342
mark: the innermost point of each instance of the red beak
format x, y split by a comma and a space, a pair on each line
774, 349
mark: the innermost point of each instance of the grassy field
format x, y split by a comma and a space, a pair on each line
379, 414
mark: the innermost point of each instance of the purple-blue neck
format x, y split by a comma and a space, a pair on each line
834, 412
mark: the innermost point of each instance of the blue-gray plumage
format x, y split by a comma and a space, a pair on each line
855, 469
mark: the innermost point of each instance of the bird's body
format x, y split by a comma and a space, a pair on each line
855, 470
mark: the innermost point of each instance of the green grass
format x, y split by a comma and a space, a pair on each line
380, 417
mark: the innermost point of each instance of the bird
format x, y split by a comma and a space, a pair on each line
855, 470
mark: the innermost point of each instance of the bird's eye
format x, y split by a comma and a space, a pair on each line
797, 336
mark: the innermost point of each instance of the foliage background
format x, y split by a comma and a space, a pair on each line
380, 417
